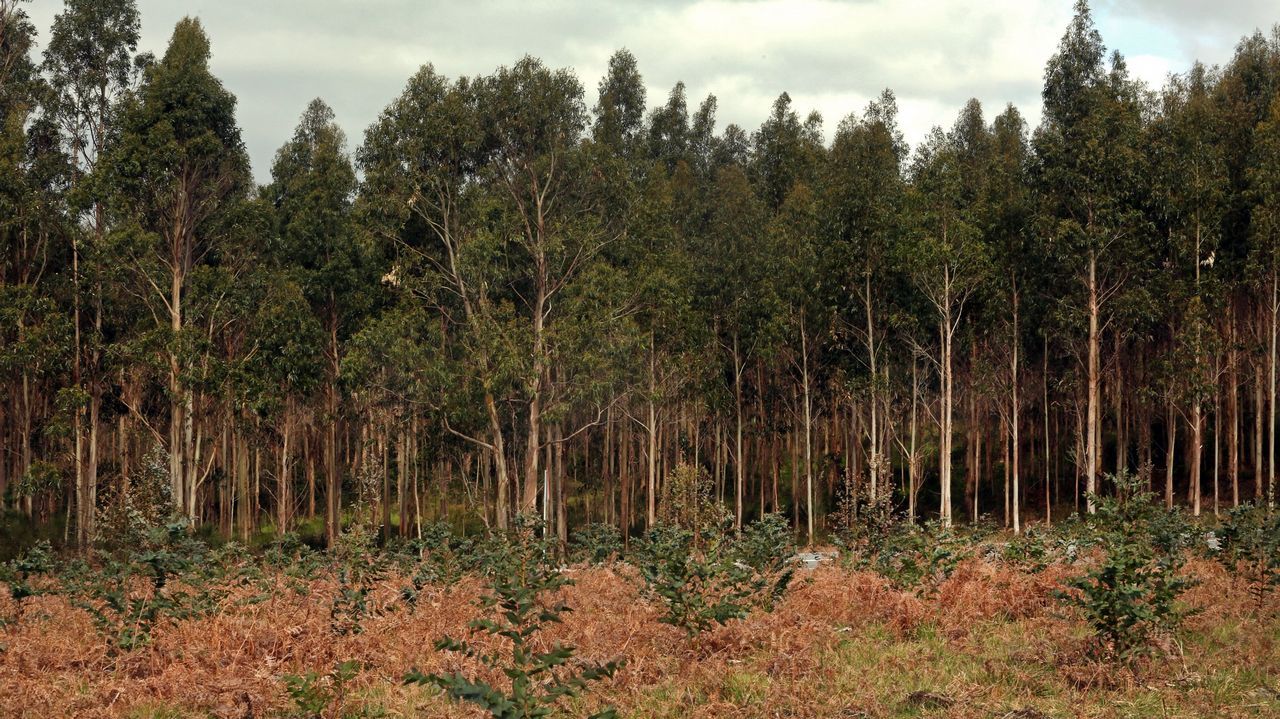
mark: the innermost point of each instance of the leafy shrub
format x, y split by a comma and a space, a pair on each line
860, 518
19, 572
317, 697
516, 609
1028, 551
686, 501
596, 543
445, 555
1249, 545
359, 565
1131, 597
916, 557
128, 616
129, 518
766, 544
703, 587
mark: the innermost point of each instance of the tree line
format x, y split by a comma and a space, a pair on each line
506, 301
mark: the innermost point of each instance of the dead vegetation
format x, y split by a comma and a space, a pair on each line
990, 642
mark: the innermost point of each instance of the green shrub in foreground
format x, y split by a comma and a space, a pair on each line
518, 606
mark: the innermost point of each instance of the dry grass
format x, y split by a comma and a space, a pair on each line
990, 642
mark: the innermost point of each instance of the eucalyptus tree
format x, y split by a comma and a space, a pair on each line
785, 152
808, 317
1011, 242
90, 63
423, 196
669, 129
533, 119
35, 335
1189, 177
860, 197
1243, 97
1087, 154
785, 160
619, 110
316, 244
1264, 182
177, 169
657, 265
281, 365
946, 260
737, 292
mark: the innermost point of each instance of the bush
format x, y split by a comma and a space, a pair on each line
1131, 597
128, 518
19, 572
127, 616
317, 697
916, 557
712, 585
766, 544
596, 543
516, 609
1249, 545
443, 557
1028, 551
686, 502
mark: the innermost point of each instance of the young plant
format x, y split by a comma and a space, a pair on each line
19, 572
517, 608
359, 566
317, 697
128, 616
1249, 545
596, 543
721, 581
911, 557
1131, 596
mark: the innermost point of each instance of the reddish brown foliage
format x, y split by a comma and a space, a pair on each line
231, 664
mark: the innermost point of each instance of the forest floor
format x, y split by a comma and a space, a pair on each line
991, 640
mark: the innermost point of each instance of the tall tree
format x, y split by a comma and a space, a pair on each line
90, 64
1087, 156
178, 167
861, 202
945, 258
312, 191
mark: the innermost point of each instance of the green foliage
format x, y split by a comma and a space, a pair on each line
917, 557
18, 573
127, 613
359, 565
766, 544
317, 697
443, 557
1029, 551
864, 520
520, 603
1248, 544
596, 543
1131, 596
686, 502
722, 580
138, 509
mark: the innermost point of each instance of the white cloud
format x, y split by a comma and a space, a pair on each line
832, 56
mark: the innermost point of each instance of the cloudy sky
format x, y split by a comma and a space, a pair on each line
830, 55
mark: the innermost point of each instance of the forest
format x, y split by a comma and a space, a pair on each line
519, 325
504, 301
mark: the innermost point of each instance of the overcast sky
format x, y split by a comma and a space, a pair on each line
830, 55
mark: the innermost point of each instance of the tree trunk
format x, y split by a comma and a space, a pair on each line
1014, 413
1091, 419
740, 481
808, 432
